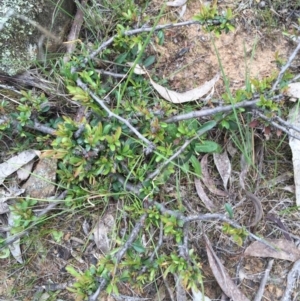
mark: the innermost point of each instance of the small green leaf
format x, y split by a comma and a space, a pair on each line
121, 58
229, 210
207, 147
206, 127
196, 166
149, 61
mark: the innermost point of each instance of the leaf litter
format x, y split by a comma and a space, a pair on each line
222, 276
223, 165
208, 181
13, 164
285, 250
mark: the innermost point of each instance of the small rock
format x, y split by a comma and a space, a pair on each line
41, 183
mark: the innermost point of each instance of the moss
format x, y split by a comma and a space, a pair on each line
19, 39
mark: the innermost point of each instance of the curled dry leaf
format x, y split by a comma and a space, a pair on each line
86, 227
24, 172
231, 149
223, 165
203, 196
16, 162
5, 196
102, 232
280, 179
207, 180
191, 95
286, 250
294, 118
222, 276
177, 3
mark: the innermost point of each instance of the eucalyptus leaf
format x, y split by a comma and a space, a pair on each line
207, 147
229, 210
196, 166
149, 61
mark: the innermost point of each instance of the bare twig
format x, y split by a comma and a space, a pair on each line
291, 281
169, 160
51, 206
149, 145
286, 66
133, 235
155, 252
260, 292
209, 112
287, 124
137, 31
170, 292
35, 126
75, 30
117, 75
174, 156
276, 125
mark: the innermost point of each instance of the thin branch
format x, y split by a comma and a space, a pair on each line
15, 237
150, 146
260, 292
169, 160
74, 32
35, 126
209, 112
286, 66
133, 235
276, 125
117, 75
287, 124
159, 244
291, 281
134, 32
209, 217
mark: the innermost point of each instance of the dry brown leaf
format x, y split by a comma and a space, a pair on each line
203, 196
222, 276
7, 195
102, 232
231, 149
223, 165
24, 172
207, 180
191, 95
176, 3
286, 250
16, 162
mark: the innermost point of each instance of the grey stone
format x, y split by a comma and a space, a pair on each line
22, 43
